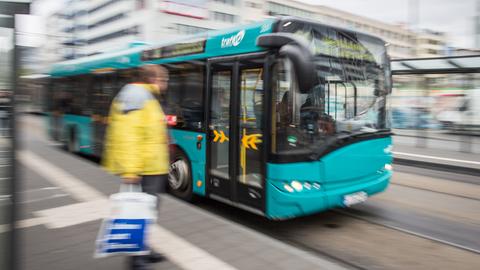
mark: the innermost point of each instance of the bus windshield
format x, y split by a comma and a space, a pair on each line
348, 100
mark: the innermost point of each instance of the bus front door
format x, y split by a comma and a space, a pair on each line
236, 164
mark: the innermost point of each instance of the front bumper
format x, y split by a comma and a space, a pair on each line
285, 205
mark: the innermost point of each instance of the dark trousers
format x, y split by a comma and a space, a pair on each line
154, 184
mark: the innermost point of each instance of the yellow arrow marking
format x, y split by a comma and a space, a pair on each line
245, 141
217, 135
251, 141
224, 137
220, 136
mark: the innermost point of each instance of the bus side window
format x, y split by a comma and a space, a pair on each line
109, 91
78, 89
96, 89
53, 103
104, 88
184, 97
65, 96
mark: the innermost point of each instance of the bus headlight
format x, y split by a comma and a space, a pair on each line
388, 167
288, 188
307, 186
297, 185
294, 186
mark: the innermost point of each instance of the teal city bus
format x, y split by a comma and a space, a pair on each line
284, 117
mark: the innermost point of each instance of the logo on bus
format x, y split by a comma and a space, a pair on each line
234, 40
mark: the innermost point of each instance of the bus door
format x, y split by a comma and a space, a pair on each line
236, 165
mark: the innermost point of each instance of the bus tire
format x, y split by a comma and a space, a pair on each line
180, 176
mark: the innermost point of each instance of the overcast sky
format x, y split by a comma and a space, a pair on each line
455, 17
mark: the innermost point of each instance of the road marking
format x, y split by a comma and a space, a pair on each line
95, 206
55, 196
22, 224
58, 177
182, 253
437, 158
29, 222
4, 228
73, 214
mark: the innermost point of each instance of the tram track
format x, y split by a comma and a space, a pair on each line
358, 265
346, 259
403, 230
436, 191
457, 176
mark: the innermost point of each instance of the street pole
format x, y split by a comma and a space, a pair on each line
9, 10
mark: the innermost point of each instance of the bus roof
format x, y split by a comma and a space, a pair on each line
237, 40
224, 42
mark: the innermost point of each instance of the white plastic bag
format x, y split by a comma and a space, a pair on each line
124, 231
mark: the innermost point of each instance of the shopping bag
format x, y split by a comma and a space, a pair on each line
124, 231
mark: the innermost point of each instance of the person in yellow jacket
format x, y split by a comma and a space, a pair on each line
136, 143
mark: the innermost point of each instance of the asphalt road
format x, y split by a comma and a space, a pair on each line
425, 220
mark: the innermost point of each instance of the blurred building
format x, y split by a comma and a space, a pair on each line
87, 27
430, 44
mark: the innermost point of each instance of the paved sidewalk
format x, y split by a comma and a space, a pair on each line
63, 198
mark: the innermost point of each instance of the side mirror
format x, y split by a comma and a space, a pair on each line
303, 64
297, 51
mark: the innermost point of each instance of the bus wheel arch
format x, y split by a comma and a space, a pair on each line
180, 174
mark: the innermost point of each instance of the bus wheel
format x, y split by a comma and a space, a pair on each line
179, 177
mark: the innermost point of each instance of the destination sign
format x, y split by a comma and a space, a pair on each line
174, 50
343, 49
320, 44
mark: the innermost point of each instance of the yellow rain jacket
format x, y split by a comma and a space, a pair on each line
136, 139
